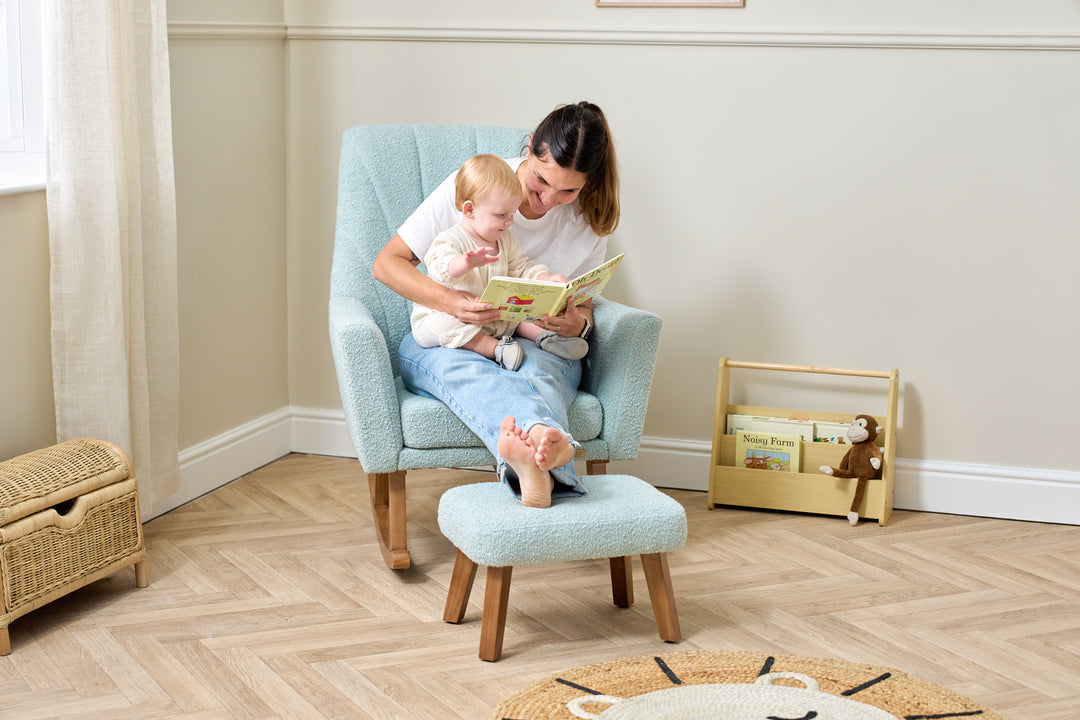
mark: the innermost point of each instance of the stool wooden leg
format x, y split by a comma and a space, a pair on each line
496, 599
461, 582
140, 574
5, 641
622, 580
595, 467
658, 579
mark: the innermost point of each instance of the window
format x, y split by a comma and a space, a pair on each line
22, 100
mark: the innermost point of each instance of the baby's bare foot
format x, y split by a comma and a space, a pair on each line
516, 448
553, 448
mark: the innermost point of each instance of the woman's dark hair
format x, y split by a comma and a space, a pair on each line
577, 138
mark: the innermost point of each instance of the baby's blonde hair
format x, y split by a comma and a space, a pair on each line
481, 174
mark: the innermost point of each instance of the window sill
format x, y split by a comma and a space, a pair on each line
21, 173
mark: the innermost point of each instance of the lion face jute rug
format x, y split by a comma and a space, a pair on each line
736, 686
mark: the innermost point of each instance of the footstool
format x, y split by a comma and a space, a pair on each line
619, 517
69, 515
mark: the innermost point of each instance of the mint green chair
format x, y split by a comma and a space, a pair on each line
385, 172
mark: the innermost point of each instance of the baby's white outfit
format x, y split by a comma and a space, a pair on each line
431, 327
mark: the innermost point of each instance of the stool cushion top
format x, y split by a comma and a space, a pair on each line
620, 515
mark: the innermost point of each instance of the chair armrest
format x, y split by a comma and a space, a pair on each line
619, 371
366, 381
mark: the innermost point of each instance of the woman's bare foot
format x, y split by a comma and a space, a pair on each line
516, 448
553, 448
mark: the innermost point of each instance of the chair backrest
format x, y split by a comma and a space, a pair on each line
385, 173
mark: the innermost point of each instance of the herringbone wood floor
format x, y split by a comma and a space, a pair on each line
268, 599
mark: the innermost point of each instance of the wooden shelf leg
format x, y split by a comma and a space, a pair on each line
140, 574
622, 580
461, 582
388, 508
496, 600
5, 641
658, 578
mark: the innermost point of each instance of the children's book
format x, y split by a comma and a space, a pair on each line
767, 451
784, 426
774, 425
831, 432
524, 300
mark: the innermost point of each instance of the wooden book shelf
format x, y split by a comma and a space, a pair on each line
810, 490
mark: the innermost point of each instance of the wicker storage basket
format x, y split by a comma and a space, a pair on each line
69, 515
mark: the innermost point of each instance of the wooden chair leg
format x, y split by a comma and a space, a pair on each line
658, 579
140, 574
388, 507
496, 599
461, 582
595, 467
622, 580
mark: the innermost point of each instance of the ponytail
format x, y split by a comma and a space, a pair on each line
577, 137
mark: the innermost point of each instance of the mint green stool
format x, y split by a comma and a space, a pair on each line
619, 517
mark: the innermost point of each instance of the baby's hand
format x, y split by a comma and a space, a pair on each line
481, 256
465, 262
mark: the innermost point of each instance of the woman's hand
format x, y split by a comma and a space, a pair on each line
570, 323
468, 308
395, 267
548, 277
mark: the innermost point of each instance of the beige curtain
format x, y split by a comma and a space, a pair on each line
111, 203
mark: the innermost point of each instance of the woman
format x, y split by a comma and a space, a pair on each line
570, 204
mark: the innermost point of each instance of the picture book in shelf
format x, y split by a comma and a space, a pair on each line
808, 430
767, 451
524, 300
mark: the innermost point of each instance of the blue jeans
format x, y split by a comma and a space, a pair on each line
481, 393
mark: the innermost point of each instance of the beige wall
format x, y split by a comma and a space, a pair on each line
27, 421
866, 207
883, 203
228, 137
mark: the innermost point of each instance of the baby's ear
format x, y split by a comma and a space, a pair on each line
467, 208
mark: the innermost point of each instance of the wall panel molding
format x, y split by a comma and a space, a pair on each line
561, 36
186, 30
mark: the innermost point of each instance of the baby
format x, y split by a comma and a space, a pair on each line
481, 246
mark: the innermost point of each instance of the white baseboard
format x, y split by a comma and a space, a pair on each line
216, 462
928, 486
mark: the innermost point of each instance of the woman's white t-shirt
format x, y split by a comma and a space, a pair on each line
561, 239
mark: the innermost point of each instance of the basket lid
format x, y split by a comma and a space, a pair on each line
38, 480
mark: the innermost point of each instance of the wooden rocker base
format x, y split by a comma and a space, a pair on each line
497, 595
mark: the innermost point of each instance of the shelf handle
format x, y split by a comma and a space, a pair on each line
809, 369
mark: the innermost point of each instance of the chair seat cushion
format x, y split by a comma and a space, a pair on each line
620, 515
429, 424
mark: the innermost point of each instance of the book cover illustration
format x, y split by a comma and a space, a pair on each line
524, 300
831, 432
767, 451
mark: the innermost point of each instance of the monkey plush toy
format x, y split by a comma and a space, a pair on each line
862, 461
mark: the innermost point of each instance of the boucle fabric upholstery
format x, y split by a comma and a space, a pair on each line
620, 515
385, 172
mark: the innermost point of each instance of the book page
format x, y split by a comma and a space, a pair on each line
591, 283
523, 300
